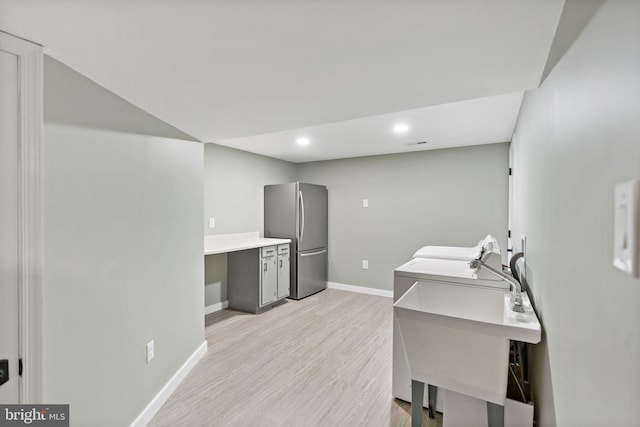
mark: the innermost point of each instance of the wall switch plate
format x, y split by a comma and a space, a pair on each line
212, 223
625, 227
150, 351
365, 264
365, 203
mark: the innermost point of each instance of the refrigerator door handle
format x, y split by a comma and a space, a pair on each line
301, 230
314, 253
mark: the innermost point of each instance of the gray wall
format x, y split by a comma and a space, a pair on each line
233, 187
577, 136
233, 195
122, 249
439, 197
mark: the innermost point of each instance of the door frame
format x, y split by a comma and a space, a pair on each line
511, 200
30, 90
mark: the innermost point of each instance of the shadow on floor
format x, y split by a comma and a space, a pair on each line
222, 316
401, 415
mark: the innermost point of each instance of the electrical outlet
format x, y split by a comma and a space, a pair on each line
212, 223
150, 351
365, 203
365, 264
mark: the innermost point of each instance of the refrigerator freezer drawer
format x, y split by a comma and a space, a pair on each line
312, 273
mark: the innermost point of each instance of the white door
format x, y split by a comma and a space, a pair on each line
9, 315
510, 225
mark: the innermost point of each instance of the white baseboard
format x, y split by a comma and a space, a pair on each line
360, 289
156, 403
216, 307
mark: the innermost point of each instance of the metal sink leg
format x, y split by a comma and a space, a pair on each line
433, 397
495, 415
417, 397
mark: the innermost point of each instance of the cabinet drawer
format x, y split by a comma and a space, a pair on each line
268, 251
283, 249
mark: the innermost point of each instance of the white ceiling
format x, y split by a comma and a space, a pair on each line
479, 121
225, 70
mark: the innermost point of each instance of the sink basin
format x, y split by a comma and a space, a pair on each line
457, 336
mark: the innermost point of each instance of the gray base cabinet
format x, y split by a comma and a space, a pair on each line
258, 279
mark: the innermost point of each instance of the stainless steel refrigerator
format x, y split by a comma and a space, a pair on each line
298, 212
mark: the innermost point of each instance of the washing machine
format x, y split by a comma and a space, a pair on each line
489, 243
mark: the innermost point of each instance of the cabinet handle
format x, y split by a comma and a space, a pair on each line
265, 266
280, 263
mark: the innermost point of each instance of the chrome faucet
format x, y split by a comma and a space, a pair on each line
516, 290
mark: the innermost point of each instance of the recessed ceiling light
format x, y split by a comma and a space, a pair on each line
401, 128
303, 141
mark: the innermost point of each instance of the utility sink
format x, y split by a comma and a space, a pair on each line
457, 337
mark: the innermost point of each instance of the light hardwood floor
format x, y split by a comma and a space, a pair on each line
321, 361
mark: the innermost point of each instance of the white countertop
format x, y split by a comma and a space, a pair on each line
222, 243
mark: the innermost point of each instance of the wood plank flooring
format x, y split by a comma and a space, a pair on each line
321, 361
